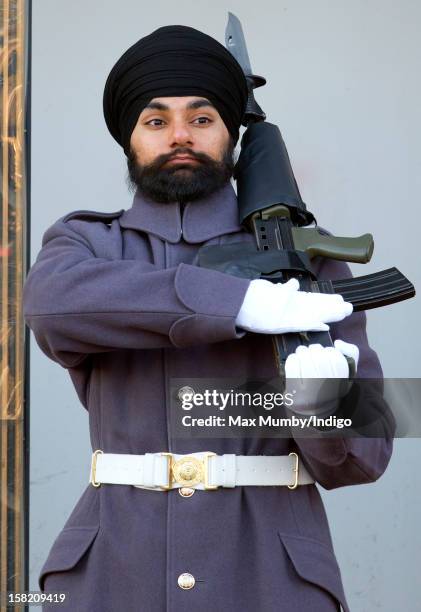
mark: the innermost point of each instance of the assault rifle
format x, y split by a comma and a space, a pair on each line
270, 205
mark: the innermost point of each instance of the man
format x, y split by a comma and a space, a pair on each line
119, 300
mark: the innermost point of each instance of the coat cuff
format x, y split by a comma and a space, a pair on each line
214, 299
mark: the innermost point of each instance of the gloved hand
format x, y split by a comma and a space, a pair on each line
316, 361
307, 369
277, 308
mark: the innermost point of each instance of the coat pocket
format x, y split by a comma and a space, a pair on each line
315, 562
67, 550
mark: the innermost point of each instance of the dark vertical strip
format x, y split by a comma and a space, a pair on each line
27, 264
14, 257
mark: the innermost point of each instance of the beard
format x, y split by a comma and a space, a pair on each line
181, 181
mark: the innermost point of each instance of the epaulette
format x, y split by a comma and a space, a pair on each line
93, 215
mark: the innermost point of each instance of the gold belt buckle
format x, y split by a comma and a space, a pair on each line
188, 471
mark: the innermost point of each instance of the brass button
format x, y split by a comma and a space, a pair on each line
186, 581
186, 491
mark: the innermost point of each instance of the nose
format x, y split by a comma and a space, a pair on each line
180, 134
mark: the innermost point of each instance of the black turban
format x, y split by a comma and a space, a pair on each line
173, 60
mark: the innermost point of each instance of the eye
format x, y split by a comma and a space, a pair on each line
205, 118
148, 122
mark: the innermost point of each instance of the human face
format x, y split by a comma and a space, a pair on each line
168, 124
188, 126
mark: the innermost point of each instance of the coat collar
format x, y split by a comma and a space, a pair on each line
201, 220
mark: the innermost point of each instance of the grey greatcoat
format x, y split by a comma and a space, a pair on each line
116, 298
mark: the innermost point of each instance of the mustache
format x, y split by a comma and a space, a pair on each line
162, 159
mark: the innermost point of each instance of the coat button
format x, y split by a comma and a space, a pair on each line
186, 581
186, 491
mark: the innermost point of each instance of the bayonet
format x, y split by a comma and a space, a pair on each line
236, 44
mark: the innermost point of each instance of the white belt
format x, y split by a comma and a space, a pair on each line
202, 470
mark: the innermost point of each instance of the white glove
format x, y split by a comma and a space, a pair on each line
317, 362
278, 308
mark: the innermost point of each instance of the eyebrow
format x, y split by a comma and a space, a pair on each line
194, 104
